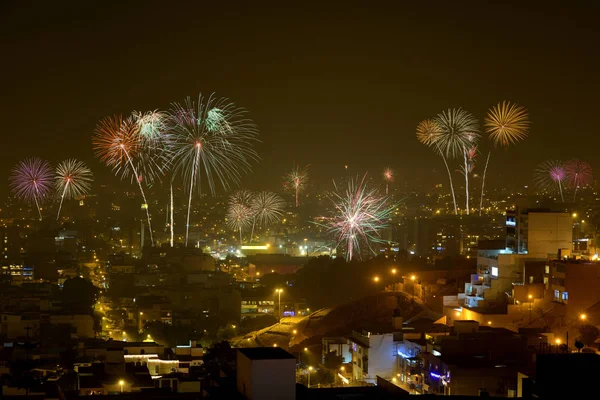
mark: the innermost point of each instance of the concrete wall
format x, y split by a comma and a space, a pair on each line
549, 232
382, 357
274, 379
266, 379
582, 282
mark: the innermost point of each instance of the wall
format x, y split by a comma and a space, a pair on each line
468, 382
266, 379
274, 379
382, 357
244, 375
549, 232
582, 282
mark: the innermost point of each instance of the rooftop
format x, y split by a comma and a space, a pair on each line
266, 353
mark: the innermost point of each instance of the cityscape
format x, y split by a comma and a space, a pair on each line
271, 201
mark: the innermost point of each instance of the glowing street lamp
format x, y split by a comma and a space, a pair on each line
121, 383
310, 368
394, 270
583, 317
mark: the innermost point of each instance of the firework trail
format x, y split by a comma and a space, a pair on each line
359, 214
388, 177
267, 208
172, 218
214, 138
459, 132
240, 212
577, 174
31, 180
506, 123
428, 132
73, 179
296, 181
117, 143
550, 174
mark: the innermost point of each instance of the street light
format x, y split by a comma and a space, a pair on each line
294, 331
279, 291
121, 383
412, 278
530, 303
394, 270
583, 317
309, 371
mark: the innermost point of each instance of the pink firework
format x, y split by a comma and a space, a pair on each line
31, 181
388, 176
577, 174
557, 174
360, 214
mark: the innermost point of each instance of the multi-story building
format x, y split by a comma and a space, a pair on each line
373, 354
538, 232
575, 284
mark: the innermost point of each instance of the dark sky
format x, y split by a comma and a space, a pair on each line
328, 84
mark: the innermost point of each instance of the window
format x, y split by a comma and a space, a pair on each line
495, 271
531, 279
565, 296
547, 269
556, 295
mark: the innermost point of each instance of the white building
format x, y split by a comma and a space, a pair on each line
373, 354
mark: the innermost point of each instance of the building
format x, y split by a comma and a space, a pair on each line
265, 373
538, 232
373, 354
261, 264
574, 284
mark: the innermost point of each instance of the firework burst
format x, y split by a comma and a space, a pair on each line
428, 133
296, 181
507, 123
388, 177
72, 179
577, 174
267, 208
459, 130
152, 125
211, 138
31, 181
459, 133
118, 144
360, 213
240, 212
549, 175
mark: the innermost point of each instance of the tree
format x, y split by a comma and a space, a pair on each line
79, 295
588, 334
333, 361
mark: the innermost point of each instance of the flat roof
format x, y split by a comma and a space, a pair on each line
266, 353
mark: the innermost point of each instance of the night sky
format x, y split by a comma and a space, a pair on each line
328, 85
